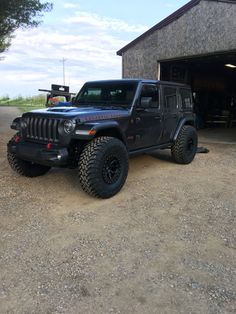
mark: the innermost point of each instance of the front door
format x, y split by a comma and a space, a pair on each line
148, 117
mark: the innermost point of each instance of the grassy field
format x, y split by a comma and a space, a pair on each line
24, 103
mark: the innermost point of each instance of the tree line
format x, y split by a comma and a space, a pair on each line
19, 14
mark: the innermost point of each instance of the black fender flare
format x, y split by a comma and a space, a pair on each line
110, 125
90, 130
184, 121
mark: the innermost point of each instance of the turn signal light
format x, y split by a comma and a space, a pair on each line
92, 132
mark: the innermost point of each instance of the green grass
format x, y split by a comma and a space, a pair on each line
24, 103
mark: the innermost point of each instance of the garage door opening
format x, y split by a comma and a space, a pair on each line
213, 82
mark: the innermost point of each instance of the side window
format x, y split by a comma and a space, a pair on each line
151, 91
186, 99
170, 99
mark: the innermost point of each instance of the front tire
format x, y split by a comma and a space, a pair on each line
25, 168
103, 167
185, 147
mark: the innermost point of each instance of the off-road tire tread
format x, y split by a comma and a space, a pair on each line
88, 163
25, 168
178, 149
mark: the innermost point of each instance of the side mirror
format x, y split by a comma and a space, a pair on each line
145, 102
73, 99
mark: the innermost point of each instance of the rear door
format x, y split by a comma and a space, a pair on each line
171, 111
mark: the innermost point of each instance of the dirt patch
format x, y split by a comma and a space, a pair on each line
165, 244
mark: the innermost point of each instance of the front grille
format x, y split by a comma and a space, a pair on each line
42, 129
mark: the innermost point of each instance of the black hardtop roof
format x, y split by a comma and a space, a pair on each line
131, 80
115, 81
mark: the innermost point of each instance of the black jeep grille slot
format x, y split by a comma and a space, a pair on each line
42, 129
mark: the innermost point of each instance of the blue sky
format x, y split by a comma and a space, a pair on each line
87, 33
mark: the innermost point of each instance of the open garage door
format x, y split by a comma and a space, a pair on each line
213, 81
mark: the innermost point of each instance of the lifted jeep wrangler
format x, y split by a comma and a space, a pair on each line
109, 121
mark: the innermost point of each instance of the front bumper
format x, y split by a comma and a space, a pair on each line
39, 153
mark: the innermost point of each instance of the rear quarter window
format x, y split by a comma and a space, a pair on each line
186, 99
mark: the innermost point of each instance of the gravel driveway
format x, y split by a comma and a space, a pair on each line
165, 244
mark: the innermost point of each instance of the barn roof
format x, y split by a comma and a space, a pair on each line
174, 16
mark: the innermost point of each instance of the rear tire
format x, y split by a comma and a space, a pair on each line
25, 168
185, 147
103, 167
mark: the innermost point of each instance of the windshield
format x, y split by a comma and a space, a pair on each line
107, 94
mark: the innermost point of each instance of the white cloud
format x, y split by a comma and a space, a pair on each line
69, 5
105, 23
87, 41
21, 76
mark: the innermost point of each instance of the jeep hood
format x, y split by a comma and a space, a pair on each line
82, 113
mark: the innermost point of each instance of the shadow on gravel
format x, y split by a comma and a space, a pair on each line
163, 155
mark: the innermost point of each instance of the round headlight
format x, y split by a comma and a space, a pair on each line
69, 126
23, 124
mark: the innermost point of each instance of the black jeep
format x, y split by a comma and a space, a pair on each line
109, 121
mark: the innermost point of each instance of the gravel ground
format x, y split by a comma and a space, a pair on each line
165, 244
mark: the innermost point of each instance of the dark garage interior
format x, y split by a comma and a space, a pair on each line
213, 80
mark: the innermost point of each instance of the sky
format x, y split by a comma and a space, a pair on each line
86, 33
